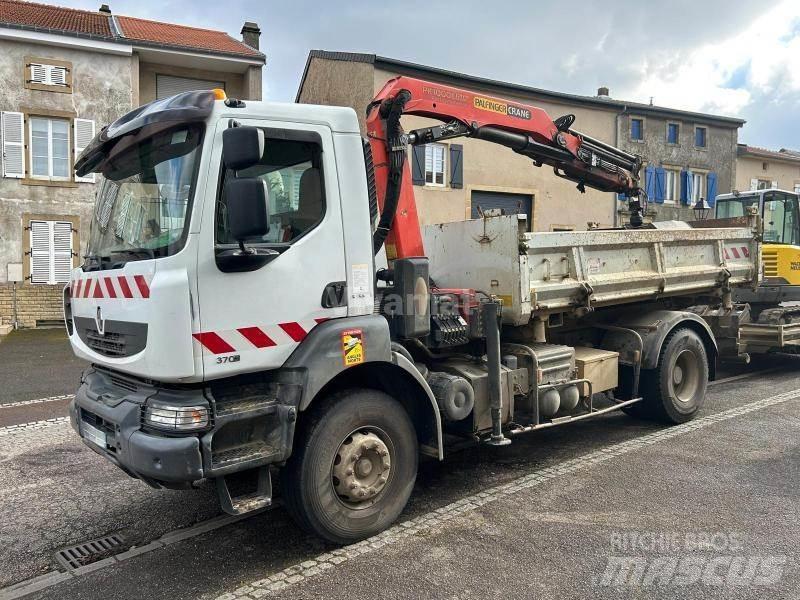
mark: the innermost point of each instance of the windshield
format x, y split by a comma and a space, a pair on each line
779, 213
144, 199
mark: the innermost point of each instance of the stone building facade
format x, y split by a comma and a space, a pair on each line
65, 74
463, 176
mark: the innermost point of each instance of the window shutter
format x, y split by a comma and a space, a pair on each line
456, 166
62, 251
650, 182
686, 187
83, 133
753, 184
41, 251
13, 125
775, 185
711, 192
38, 73
57, 75
418, 164
661, 184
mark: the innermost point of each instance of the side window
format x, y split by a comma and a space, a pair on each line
292, 169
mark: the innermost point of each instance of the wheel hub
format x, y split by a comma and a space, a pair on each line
361, 468
677, 375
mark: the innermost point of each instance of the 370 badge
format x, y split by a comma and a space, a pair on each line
352, 347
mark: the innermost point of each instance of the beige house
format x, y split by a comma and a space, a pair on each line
65, 74
759, 168
687, 154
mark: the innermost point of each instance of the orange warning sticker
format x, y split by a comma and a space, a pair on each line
352, 347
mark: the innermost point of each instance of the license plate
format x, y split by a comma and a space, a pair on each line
94, 435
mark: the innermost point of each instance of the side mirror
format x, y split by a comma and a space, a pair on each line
247, 202
242, 147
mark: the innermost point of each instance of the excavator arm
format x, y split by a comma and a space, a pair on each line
527, 130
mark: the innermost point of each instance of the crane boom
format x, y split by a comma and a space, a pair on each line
527, 130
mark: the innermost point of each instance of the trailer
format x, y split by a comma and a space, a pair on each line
258, 297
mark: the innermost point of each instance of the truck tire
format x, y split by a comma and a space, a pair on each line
353, 466
676, 389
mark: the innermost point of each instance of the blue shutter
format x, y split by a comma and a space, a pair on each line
621, 197
650, 182
661, 184
686, 187
711, 186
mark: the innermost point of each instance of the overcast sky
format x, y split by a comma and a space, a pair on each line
729, 57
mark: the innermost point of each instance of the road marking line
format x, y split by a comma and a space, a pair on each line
300, 572
32, 426
38, 401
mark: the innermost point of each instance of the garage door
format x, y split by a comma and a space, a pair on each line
511, 204
168, 85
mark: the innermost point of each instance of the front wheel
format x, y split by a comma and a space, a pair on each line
676, 389
353, 467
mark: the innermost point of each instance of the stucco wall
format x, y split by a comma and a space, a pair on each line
786, 174
148, 71
719, 156
101, 91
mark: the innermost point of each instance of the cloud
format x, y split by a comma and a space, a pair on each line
732, 57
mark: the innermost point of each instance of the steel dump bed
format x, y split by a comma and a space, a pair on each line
541, 273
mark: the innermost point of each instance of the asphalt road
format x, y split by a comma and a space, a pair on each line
560, 513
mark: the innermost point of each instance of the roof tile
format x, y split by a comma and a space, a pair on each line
89, 23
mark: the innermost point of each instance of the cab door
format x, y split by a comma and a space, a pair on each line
252, 321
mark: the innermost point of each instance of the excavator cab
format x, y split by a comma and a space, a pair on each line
780, 213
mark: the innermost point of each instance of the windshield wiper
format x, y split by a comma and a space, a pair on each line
137, 252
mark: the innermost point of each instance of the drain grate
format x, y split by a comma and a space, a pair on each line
88, 552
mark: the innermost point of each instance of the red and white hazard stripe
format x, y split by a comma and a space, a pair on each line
736, 252
256, 337
119, 287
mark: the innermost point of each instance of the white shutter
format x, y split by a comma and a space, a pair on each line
62, 251
38, 73
754, 184
83, 130
13, 125
57, 75
41, 251
774, 185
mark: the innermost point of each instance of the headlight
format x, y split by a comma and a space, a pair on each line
170, 417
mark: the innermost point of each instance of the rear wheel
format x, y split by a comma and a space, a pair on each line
353, 467
676, 389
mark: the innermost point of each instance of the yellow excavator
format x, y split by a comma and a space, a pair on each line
775, 303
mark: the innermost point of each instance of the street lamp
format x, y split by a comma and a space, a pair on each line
701, 210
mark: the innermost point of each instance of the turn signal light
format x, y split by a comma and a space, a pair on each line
176, 418
219, 94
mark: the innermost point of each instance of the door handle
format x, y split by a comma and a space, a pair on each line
334, 294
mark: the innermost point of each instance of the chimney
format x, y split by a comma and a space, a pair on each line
105, 8
602, 92
250, 34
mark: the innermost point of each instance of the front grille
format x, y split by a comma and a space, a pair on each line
110, 344
119, 338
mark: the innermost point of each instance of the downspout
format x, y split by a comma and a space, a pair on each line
615, 209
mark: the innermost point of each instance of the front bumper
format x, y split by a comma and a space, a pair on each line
106, 413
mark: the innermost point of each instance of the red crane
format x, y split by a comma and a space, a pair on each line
527, 130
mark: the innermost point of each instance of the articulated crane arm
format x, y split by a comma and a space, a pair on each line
525, 129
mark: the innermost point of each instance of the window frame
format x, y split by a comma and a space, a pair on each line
705, 137
445, 151
29, 138
676, 184
48, 64
296, 135
696, 190
677, 125
641, 120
